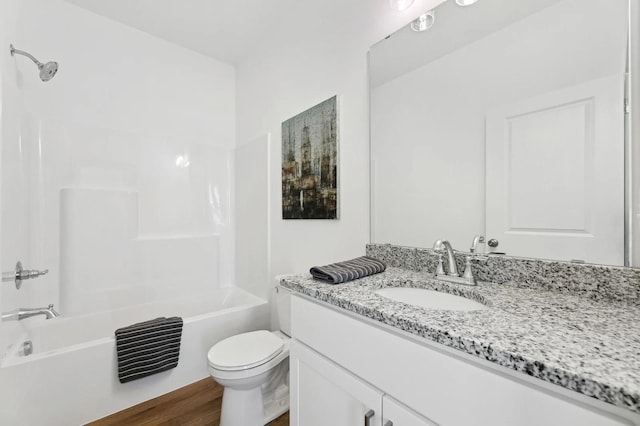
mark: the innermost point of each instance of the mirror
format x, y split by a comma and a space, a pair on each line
504, 119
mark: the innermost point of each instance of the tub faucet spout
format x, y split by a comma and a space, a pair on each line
22, 313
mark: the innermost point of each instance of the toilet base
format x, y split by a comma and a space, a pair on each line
236, 404
242, 407
248, 407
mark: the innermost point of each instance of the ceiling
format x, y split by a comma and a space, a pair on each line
222, 29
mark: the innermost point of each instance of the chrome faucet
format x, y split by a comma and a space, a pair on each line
453, 267
453, 275
22, 313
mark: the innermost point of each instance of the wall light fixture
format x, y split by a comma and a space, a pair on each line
424, 21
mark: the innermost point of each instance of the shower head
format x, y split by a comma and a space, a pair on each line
47, 71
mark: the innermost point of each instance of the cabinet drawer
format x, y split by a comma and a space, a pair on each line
443, 386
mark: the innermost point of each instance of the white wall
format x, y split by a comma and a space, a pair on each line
140, 132
303, 63
428, 125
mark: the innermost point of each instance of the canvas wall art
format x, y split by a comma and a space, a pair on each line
310, 163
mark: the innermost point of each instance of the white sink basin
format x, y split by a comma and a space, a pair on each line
430, 299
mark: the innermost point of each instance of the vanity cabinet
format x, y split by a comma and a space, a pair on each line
343, 365
327, 394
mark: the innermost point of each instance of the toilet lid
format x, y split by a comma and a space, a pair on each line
246, 350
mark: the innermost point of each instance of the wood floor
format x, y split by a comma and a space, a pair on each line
195, 405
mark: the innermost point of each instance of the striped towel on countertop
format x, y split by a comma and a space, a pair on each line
148, 347
353, 269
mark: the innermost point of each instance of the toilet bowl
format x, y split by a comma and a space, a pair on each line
253, 368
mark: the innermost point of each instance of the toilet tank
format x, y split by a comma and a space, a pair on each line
283, 305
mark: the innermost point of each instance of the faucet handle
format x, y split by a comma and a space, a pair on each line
468, 272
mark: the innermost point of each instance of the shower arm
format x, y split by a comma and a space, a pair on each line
23, 53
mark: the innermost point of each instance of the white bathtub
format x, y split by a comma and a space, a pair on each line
71, 376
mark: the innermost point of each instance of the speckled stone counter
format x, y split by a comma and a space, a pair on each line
614, 283
589, 346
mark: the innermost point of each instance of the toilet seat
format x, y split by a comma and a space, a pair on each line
245, 351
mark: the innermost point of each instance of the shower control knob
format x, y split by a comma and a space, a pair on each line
493, 243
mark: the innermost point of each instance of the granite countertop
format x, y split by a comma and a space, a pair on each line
588, 346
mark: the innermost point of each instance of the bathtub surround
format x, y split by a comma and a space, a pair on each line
133, 127
117, 177
584, 344
596, 282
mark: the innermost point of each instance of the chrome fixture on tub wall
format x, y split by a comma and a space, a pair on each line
20, 274
47, 70
23, 313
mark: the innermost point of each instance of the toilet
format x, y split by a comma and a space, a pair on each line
253, 367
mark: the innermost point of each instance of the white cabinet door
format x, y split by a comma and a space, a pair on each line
554, 174
397, 414
322, 393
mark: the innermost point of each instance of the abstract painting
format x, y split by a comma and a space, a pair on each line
310, 163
